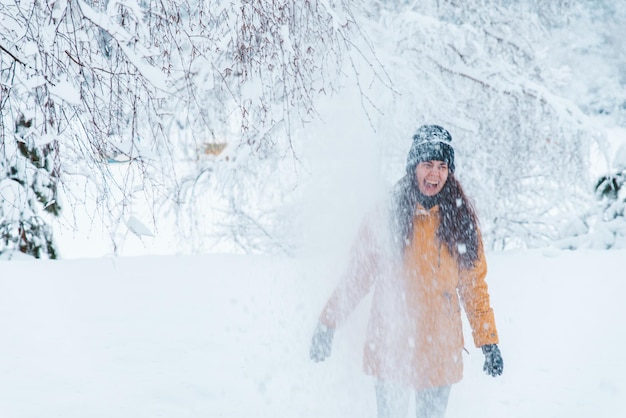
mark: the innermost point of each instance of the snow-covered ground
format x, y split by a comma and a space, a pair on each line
228, 336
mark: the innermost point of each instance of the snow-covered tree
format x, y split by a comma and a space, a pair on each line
142, 84
484, 70
204, 101
28, 193
603, 226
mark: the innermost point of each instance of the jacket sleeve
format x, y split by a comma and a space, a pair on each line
475, 298
357, 280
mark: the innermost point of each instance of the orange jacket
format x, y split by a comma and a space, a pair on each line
415, 335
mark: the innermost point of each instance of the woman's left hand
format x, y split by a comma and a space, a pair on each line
493, 360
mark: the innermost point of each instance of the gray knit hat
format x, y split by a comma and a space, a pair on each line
431, 142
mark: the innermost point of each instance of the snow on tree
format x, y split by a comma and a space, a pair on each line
28, 193
142, 85
603, 226
480, 69
196, 108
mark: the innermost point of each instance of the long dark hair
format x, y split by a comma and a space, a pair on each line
458, 228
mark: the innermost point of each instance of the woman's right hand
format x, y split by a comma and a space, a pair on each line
321, 343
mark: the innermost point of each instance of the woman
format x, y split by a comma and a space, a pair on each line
423, 255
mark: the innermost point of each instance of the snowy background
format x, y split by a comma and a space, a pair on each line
210, 126
201, 186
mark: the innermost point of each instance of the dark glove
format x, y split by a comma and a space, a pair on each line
493, 360
321, 343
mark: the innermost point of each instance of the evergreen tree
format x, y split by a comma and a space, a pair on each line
29, 182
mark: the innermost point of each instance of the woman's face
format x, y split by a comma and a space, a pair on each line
431, 176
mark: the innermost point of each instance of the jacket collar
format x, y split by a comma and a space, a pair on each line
421, 210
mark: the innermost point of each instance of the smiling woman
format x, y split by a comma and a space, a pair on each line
422, 254
431, 176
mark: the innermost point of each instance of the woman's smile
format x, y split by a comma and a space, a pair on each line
431, 176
